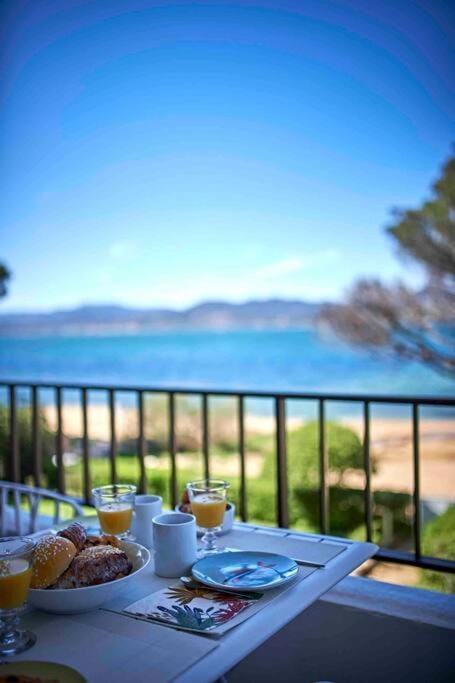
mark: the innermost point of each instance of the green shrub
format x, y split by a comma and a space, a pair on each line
438, 540
347, 514
344, 449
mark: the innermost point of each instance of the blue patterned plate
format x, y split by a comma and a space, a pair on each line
245, 570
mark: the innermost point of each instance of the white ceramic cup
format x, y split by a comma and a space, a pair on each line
174, 540
145, 509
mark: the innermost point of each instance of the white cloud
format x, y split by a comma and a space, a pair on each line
283, 267
311, 262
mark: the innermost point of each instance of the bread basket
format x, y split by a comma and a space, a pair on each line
76, 600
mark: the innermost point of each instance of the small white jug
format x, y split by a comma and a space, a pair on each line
145, 509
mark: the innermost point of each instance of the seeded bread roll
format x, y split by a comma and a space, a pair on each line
53, 555
75, 533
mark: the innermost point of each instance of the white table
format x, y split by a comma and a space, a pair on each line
106, 645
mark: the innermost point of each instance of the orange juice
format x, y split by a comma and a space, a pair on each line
209, 509
15, 577
115, 518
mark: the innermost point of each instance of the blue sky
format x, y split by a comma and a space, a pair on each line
162, 153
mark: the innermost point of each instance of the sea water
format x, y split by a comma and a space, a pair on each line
288, 360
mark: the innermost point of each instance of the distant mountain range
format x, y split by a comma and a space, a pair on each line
214, 315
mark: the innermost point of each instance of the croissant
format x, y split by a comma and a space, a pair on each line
75, 533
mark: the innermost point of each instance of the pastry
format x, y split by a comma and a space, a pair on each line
75, 533
95, 565
106, 539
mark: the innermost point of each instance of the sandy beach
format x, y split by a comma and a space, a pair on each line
391, 444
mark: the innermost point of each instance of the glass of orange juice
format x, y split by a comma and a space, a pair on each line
208, 504
114, 506
15, 574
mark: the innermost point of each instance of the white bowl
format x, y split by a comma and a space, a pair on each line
228, 521
75, 600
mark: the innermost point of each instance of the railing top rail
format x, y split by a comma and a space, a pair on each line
246, 393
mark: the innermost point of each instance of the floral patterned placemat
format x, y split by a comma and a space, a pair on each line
196, 609
203, 609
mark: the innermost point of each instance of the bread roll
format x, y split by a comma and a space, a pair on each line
52, 556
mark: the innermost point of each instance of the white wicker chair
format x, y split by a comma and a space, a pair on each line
16, 521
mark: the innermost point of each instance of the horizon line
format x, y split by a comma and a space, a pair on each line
200, 302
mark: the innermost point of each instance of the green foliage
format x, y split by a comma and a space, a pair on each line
438, 540
347, 516
345, 452
262, 501
128, 472
427, 234
5, 275
24, 427
343, 446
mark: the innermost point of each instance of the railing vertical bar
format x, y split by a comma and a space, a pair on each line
141, 446
323, 469
243, 493
113, 446
416, 495
87, 485
173, 450
205, 435
36, 438
59, 443
367, 468
14, 465
281, 468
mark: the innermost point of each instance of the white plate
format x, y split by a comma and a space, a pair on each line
75, 600
245, 570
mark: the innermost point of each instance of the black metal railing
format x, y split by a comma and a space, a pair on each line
13, 467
